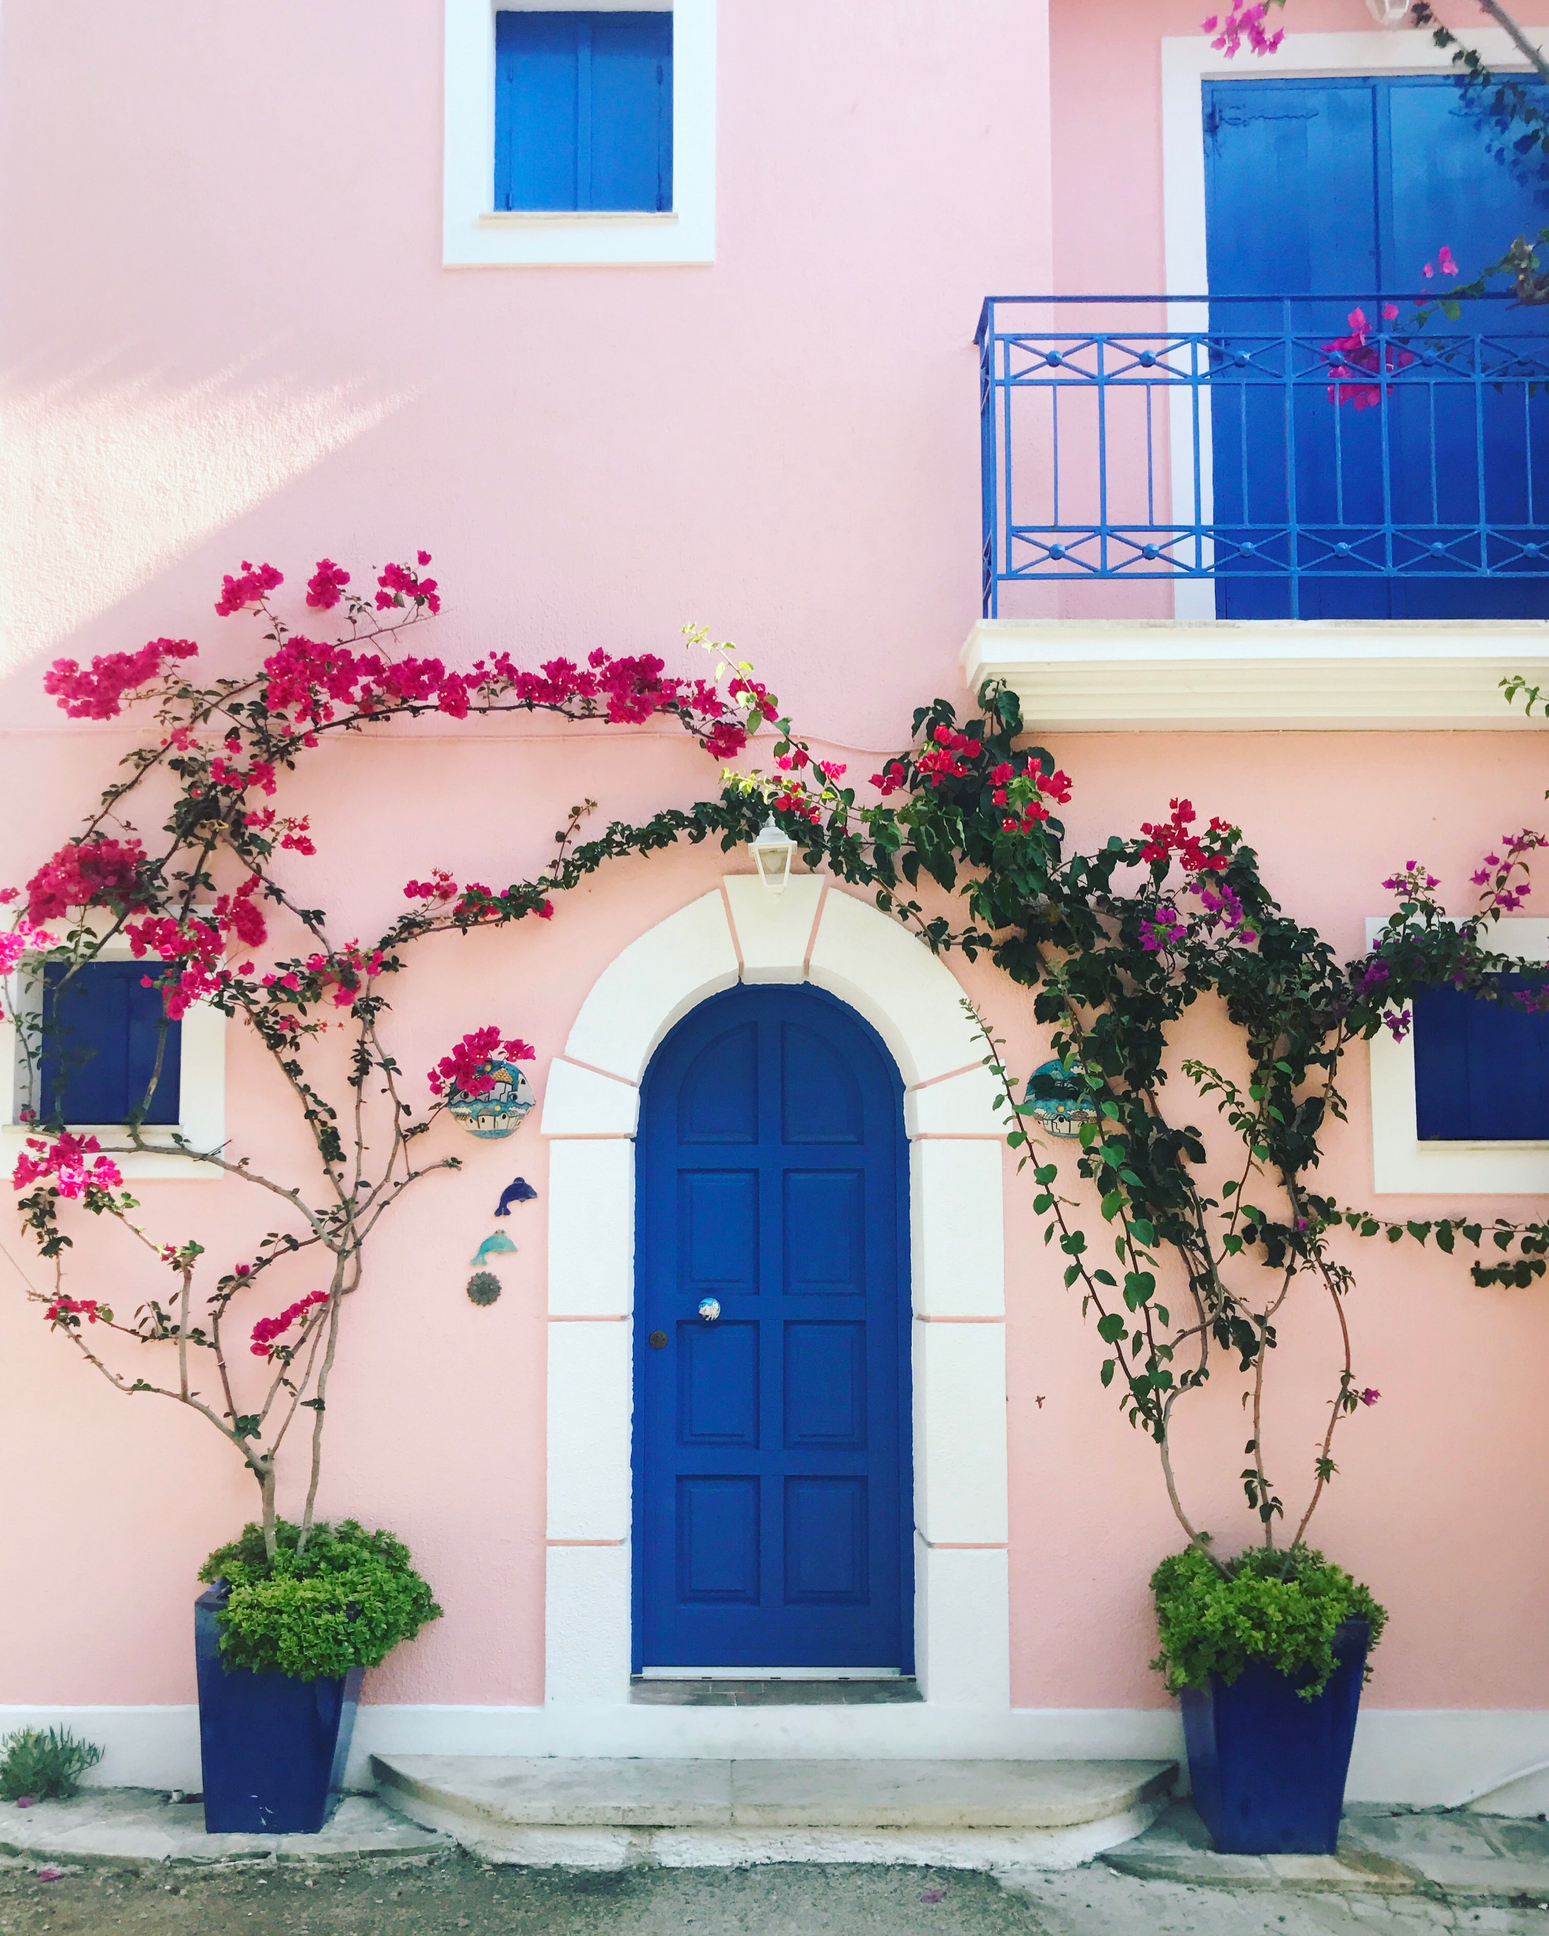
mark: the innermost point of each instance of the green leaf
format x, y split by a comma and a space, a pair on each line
1112, 1327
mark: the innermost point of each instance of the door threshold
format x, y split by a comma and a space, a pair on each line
770, 1674
831, 1690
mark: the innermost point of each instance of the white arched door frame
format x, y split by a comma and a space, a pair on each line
812, 932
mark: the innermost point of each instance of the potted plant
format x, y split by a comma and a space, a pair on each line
1267, 1654
281, 1642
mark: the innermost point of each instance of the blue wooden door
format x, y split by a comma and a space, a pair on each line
773, 1502
1332, 193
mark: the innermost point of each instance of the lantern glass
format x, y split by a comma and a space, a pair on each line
772, 853
1389, 13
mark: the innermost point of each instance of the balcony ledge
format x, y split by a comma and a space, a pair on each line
1262, 675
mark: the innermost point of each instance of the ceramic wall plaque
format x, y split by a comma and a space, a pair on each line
501, 1110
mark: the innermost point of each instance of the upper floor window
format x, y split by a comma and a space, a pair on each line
583, 110
579, 134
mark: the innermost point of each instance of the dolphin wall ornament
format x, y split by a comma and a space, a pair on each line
492, 1247
518, 1190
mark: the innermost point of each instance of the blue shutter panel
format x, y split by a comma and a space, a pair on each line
1481, 1069
631, 110
100, 1034
583, 110
536, 111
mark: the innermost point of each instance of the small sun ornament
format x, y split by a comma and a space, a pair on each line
502, 1109
1061, 1101
483, 1287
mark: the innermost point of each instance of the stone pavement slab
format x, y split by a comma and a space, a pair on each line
1450, 1854
144, 1825
1468, 1857
1101, 1902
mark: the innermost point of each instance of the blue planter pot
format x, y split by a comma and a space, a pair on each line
273, 1748
1268, 1768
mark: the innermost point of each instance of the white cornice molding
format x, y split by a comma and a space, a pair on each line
1261, 675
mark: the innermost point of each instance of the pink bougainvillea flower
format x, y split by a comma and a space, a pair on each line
98, 692
326, 585
267, 1330
63, 1159
49, 1873
1445, 262
87, 873
255, 583
463, 1068
1370, 1397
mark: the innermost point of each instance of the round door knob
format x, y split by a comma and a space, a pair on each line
709, 1309
657, 1341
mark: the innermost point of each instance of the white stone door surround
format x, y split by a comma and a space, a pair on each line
817, 932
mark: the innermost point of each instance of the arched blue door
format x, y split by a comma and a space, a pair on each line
772, 1484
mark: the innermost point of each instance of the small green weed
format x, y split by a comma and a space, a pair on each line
44, 1763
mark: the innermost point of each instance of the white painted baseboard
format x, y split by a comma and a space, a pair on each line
1493, 1759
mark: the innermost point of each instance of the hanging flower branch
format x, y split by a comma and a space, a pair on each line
200, 904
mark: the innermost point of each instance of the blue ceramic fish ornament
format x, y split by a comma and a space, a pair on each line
518, 1190
492, 1246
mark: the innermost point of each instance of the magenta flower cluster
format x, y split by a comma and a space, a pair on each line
464, 1068
1242, 23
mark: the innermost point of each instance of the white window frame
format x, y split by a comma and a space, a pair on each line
476, 234
1188, 61
1401, 1163
201, 1088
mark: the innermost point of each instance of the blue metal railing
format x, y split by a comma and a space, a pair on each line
1302, 463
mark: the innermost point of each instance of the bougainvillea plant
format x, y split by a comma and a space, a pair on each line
205, 907
1209, 1243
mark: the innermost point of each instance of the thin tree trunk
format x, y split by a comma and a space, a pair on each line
1516, 36
266, 1489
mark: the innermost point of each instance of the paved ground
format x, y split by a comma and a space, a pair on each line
452, 1895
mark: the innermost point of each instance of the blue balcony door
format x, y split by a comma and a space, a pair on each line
1321, 187
773, 1502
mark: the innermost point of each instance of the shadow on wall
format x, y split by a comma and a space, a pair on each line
112, 478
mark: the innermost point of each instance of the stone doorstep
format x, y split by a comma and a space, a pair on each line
705, 1792
604, 1813
138, 1826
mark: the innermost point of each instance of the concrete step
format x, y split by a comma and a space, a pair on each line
599, 1813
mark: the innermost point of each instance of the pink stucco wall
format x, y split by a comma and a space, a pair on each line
227, 335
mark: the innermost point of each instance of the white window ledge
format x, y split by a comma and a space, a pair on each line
1261, 675
476, 234
1401, 1163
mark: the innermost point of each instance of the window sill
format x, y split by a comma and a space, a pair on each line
580, 218
162, 1161
1264, 675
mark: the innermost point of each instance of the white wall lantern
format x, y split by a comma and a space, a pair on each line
772, 853
1390, 13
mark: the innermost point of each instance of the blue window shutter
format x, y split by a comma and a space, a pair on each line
536, 109
1481, 1068
583, 110
100, 1034
631, 110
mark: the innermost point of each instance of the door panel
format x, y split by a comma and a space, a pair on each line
772, 1495
1349, 186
